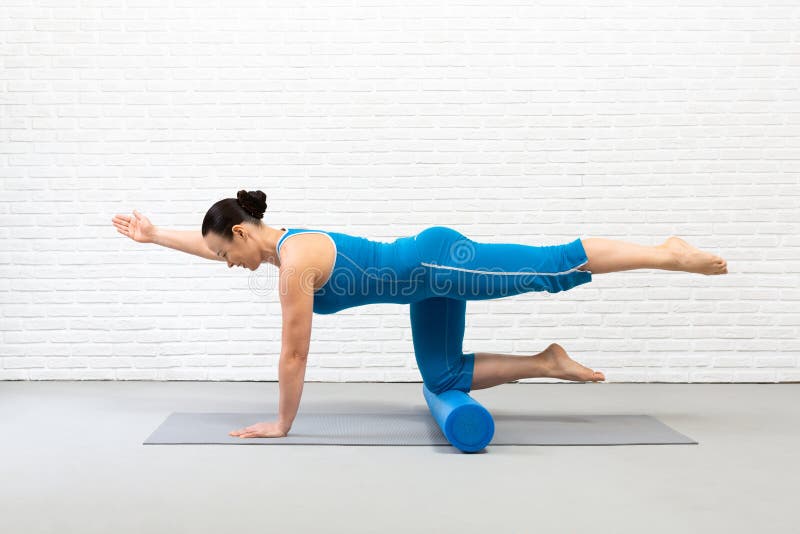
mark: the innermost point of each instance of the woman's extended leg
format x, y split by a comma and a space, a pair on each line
457, 267
675, 254
554, 362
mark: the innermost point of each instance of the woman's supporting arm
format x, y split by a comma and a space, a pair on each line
297, 276
189, 241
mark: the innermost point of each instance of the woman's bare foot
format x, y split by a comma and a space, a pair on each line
563, 367
694, 260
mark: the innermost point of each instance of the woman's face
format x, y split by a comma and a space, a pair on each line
241, 251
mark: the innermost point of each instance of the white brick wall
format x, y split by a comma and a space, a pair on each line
506, 120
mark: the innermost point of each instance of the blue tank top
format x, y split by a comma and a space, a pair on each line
366, 271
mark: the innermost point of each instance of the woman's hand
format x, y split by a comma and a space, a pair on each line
139, 228
262, 430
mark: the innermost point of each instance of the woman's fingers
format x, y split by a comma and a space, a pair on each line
122, 218
244, 433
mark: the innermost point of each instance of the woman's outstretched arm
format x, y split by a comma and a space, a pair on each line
189, 241
140, 229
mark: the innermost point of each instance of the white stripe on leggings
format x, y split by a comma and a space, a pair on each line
495, 272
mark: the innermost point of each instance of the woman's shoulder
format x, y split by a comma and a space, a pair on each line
304, 243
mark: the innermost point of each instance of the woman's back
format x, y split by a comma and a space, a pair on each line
366, 271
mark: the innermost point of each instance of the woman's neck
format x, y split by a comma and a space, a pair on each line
268, 241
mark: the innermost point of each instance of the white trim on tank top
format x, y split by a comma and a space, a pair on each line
284, 238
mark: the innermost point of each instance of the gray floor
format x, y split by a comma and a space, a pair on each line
73, 461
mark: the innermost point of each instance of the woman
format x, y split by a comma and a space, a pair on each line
435, 271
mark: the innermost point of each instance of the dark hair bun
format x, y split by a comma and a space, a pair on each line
253, 202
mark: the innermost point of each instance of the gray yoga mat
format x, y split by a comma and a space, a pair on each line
416, 427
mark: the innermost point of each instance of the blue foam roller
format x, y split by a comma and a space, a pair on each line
466, 424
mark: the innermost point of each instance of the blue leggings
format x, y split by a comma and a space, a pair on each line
458, 269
